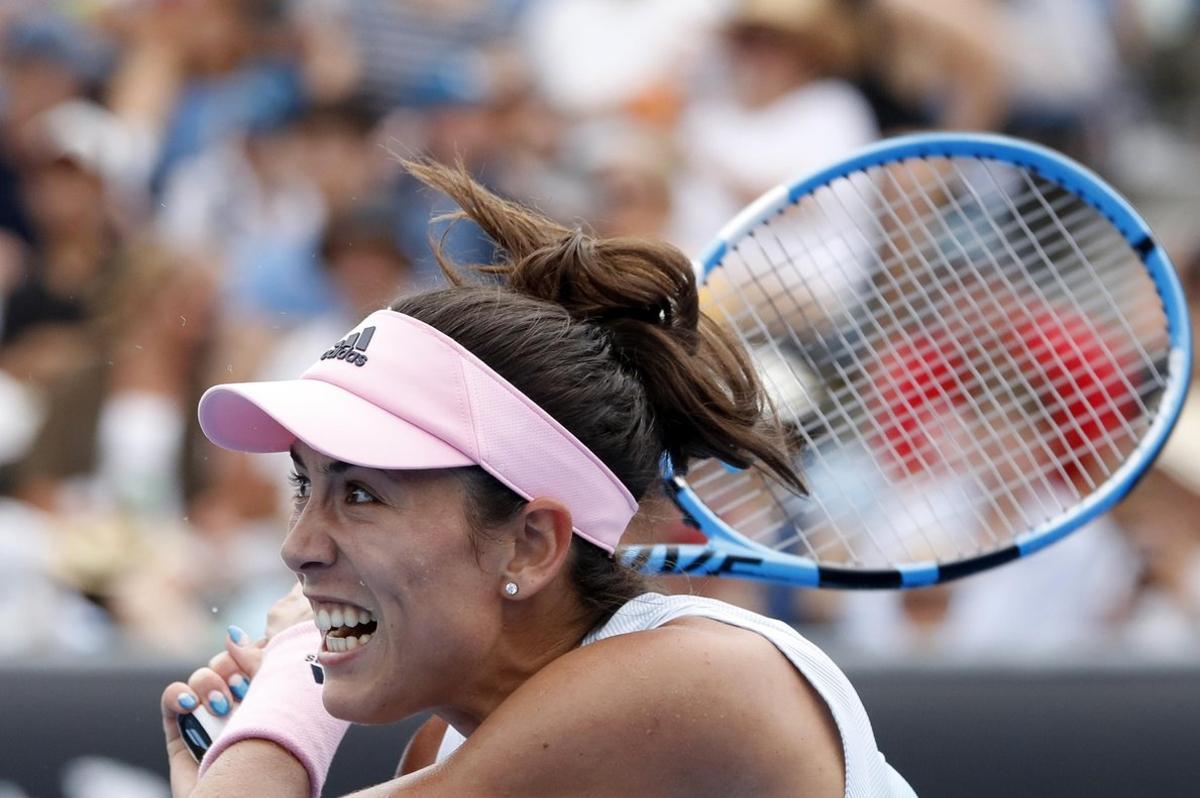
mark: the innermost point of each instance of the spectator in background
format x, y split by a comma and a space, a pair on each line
114, 460
40, 67
454, 132
1066, 88
410, 53
1067, 597
932, 63
116, 468
445, 73
784, 110
234, 75
119, 418
74, 226
597, 58
44, 61
1163, 615
342, 150
629, 168
257, 204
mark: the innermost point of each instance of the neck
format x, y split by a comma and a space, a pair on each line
534, 633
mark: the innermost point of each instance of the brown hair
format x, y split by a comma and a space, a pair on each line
607, 336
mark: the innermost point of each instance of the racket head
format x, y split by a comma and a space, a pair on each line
979, 343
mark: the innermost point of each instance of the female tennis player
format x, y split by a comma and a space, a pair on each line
465, 464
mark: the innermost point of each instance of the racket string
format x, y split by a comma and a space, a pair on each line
903, 299
1066, 291
1020, 361
771, 342
1043, 340
1033, 353
736, 318
1117, 316
1043, 412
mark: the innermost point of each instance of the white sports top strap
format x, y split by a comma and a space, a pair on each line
451, 740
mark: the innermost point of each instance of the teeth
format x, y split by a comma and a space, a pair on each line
340, 644
334, 619
332, 616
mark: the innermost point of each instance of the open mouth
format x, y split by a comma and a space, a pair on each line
345, 627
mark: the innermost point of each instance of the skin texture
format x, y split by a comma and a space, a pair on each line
652, 713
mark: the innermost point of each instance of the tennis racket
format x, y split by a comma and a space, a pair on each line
976, 345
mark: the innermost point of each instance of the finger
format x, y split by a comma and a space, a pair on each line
178, 698
238, 636
224, 665
228, 669
247, 656
213, 691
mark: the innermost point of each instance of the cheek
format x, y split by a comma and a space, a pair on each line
440, 610
427, 587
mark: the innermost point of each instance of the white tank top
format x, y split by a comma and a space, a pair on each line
868, 775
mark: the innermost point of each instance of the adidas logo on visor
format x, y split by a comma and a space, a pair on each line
351, 348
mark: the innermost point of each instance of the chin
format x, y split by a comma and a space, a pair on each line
358, 704
345, 702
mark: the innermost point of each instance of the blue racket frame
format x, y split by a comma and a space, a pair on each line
729, 553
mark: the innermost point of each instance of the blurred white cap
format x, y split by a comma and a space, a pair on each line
95, 139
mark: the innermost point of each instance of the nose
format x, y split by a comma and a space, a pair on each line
308, 546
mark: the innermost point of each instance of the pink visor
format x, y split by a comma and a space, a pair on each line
397, 394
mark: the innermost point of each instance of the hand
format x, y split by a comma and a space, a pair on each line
220, 687
288, 611
222, 684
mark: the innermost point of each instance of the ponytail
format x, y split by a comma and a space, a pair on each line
608, 337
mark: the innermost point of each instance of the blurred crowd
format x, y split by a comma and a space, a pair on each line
198, 191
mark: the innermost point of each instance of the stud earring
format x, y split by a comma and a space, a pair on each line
510, 589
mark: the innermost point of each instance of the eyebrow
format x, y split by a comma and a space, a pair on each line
331, 467
340, 467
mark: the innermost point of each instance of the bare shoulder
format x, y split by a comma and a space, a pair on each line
692, 708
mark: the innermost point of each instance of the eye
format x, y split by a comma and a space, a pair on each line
357, 494
301, 486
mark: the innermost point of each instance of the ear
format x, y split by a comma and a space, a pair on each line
542, 539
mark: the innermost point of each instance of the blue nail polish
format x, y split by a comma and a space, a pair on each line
187, 701
239, 685
218, 703
237, 635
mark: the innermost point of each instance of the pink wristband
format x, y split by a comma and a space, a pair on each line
284, 706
